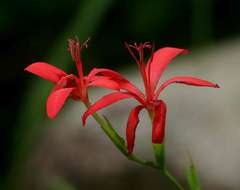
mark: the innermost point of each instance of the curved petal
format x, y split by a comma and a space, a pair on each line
104, 82
105, 101
93, 78
128, 86
131, 127
46, 71
161, 58
187, 80
105, 72
56, 100
117, 77
158, 128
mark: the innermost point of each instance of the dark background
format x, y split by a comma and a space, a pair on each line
38, 30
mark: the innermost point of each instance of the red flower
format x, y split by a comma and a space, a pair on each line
151, 73
69, 85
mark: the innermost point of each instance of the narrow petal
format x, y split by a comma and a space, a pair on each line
105, 72
131, 127
161, 58
46, 71
158, 128
56, 100
104, 82
117, 77
93, 78
105, 101
128, 86
187, 80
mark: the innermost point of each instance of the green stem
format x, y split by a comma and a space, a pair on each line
109, 132
159, 151
173, 179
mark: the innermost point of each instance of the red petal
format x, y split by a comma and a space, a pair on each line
104, 82
122, 82
46, 71
56, 100
161, 58
158, 129
105, 101
131, 127
93, 78
128, 86
188, 80
105, 72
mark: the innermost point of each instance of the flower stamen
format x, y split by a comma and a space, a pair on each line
75, 47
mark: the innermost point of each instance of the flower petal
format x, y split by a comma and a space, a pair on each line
131, 127
128, 86
105, 72
158, 129
188, 80
46, 71
117, 77
104, 82
56, 100
161, 58
105, 101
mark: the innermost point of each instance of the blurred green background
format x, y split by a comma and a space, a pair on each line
38, 30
